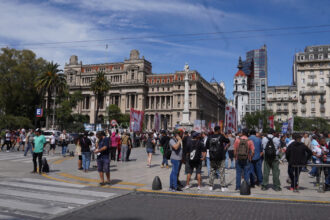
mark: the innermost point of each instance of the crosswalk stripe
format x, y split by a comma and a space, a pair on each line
57, 189
45, 196
28, 206
10, 158
50, 182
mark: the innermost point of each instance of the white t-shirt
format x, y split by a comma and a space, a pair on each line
52, 139
318, 152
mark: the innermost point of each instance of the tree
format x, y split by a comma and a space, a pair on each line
18, 70
114, 112
100, 86
50, 82
251, 120
310, 124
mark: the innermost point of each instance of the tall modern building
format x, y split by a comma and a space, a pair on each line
256, 70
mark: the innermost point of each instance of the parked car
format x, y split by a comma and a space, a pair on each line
48, 134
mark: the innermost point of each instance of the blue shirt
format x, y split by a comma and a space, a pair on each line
257, 147
104, 154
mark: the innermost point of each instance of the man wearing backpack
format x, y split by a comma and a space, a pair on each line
196, 153
243, 151
271, 147
166, 148
216, 146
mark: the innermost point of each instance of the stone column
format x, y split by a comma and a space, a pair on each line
149, 102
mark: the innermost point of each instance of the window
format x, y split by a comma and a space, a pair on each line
178, 114
252, 94
303, 81
302, 73
252, 101
258, 95
322, 87
322, 80
321, 72
132, 74
311, 56
258, 101
313, 104
302, 57
258, 107
253, 108
258, 88
320, 56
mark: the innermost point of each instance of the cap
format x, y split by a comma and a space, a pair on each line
38, 130
195, 134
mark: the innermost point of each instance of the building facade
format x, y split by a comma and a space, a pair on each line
133, 85
311, 75
283, 101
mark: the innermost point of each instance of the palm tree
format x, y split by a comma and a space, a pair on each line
51, 81
100, 86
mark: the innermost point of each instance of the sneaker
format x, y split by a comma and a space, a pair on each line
102, 183
211, 188
311, 176
179, 189
224, 189
108, 183
198, 188
186, 187
278, 189
291, 188
167, 167
162, 166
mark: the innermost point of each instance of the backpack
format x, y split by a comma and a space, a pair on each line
270, 151
167, 149
243, 149
193, 155
215, 149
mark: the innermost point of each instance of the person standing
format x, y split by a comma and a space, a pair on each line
150, 146
125, 144
30, 142
256, 163
271, 147
164, 144
64, 138
176, 157
103, 162
78, 152
39, 144
297, 154
216, 145
22, 138
85, 144
196, 153
243, 151
7, 141
114, 145
230, 152
52, 143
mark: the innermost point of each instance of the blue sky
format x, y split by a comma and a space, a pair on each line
153, 24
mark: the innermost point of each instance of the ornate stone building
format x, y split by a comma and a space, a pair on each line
133, 85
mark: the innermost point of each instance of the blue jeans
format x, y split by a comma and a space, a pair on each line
174, 174
165, 161
242, 166
208, 165
64, 147
28, 147
256, 170
327, 180
314, 169
232, 166
86, 160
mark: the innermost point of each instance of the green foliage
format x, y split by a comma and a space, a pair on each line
18, 70
115, 113
100, 86
310, 124
251, 120
14, 122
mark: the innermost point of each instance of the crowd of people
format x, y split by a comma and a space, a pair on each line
252, 154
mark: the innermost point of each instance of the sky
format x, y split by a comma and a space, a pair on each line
209, 35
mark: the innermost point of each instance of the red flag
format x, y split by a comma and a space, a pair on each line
136, 120
271, 121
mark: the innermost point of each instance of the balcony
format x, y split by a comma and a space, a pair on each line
328, 84
322, 109
312, 84
311, 76
303, 109
295, 110
303, 101
313, 92
280, 111
322, 100
313, 109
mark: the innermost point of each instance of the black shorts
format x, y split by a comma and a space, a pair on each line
191, 165
52, 146
79, 157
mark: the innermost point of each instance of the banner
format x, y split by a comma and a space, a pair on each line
136, 120
157, 122
90, 127
230, 119
197, 125
290, 125
271, 121
285, 127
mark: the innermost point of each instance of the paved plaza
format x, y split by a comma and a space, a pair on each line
66, 192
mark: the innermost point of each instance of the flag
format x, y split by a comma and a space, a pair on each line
136, 120
290, 125
285, 127
260, 126
220, 125
157, 122
230, 119
271, 121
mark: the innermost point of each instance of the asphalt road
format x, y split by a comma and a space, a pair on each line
138, 206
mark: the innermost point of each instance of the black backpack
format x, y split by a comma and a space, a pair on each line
167, 149
193, 154
215, 148
270, 151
